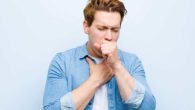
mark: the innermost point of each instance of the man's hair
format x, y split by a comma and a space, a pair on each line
103, 5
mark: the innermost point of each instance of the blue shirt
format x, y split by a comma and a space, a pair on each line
69, 69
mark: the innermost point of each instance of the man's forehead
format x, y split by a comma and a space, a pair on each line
108, 19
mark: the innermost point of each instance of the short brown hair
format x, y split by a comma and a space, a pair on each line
103, 5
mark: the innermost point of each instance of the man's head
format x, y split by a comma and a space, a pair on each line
102, 22
103, 5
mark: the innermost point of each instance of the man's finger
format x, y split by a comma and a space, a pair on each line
105, 41
89, 61
98, 46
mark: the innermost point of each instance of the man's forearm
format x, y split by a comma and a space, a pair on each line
130, 89
125, 81
83, 94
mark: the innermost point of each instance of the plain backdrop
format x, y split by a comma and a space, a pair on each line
160, 32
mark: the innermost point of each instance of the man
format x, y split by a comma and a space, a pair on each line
97, 75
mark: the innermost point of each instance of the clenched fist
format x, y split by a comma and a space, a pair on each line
109, 52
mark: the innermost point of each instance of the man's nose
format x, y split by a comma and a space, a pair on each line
108, 35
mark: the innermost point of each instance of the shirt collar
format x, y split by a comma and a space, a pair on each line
83, 51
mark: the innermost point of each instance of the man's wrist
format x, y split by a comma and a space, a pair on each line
95, 83
117, 65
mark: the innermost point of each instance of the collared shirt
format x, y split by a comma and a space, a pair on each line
69, 69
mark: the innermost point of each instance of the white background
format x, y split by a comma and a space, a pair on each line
160, 32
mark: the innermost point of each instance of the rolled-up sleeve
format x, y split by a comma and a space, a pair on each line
141, 97
56, 88
67, 102
137, 95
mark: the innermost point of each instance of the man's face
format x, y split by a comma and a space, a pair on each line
106, 26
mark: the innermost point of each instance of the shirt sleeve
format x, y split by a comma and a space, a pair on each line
141, 97
56, 88
137, 95
67, 102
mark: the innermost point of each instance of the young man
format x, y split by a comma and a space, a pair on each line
97, 75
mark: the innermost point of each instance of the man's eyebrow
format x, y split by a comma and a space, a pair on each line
115, 27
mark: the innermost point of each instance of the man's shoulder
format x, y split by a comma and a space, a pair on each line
70, 52
125, 54
128, 58
67, 55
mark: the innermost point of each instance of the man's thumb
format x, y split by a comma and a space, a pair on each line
89, 61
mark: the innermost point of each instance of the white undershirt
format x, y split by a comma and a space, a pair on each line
100, 98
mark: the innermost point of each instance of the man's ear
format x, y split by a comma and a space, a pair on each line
85, 27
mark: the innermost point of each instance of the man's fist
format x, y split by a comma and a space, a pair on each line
109, 51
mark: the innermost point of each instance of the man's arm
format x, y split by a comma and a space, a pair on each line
126, 82
57, 95
83, 94
148, 102
132, 92
134, 89
56, 85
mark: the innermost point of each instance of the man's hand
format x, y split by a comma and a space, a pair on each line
109, 52
99, 73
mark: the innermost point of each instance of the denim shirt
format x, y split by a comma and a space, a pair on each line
69, 69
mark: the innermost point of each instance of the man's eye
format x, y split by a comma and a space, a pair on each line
101, 29
115, 30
